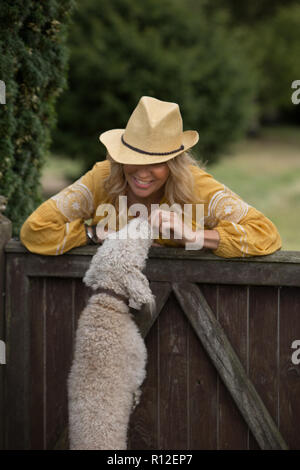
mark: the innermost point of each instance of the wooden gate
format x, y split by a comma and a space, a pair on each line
219, 374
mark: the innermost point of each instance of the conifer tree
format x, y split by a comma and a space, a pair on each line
33, 65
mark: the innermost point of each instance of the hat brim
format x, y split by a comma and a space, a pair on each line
123, 154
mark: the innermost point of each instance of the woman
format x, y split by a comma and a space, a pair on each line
149, 163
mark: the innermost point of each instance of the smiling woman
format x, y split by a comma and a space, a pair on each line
146, 182
157, 183
149, 162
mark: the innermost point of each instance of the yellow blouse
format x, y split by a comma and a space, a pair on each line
57, 225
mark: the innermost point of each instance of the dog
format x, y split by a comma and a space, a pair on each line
109, 364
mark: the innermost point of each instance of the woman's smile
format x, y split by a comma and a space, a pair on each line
142, 184
146, 182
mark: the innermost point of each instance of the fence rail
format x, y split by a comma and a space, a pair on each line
209, 310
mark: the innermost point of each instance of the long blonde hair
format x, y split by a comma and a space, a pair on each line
179, 187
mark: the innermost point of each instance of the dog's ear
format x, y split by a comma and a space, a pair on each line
139, 292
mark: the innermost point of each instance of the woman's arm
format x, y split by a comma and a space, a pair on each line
242, 230
57, 225
253, 235
46, 232
211, 239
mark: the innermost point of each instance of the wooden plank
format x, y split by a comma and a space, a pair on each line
37, 393
164, 252
228, 365
254, 270
263, 348
143, 319
5, 235
59, 340
143, 430
216, 272
58, 266
180, 253
233, 315
203, 387
289, 376
246, 271
173, 369
17, 359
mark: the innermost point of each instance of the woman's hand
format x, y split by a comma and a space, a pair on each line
171, 226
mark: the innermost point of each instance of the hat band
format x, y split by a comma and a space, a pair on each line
151, 153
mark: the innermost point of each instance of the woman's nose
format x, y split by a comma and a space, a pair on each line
143, 172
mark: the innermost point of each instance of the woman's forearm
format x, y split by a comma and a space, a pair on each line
211, 239
202, 239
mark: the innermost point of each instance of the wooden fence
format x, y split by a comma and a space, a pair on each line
219, 374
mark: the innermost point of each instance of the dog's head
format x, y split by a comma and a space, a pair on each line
119, 262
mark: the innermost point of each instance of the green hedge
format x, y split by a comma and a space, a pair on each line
33, 66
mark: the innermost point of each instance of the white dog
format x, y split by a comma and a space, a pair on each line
110, 354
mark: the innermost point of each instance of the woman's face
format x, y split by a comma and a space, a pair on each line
146, 180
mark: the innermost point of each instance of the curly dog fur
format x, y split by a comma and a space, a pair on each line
110, 354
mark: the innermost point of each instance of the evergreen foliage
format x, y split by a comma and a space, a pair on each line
122, 50
33, 65
279, 60
270, 32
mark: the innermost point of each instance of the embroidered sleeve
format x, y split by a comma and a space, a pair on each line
225, 205
75, 201
57, 225
244, 231
254, 235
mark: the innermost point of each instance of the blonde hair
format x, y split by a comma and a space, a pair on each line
179, 187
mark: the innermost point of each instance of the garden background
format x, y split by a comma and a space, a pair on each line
73, 70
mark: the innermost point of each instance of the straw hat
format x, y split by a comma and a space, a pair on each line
153, 134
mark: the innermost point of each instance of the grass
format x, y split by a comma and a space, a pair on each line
58, 172
264, 171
